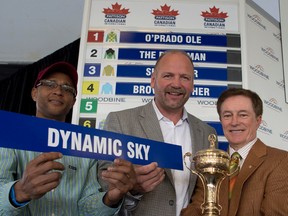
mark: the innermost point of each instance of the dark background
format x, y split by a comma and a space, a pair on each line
16, 81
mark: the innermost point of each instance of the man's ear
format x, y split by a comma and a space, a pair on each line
259, 120
34, 93
74, 101
152, 81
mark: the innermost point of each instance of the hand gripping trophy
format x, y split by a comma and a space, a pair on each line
211, 166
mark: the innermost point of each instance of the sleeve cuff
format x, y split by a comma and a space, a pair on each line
12, 198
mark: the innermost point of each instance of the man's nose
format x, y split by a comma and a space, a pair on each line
58, 90
176, 82
234, 120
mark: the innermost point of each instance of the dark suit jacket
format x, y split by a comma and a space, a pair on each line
261, 187
142, 122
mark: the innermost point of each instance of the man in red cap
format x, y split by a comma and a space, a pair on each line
56, 105
33, 183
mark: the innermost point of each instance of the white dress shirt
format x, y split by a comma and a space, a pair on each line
178, 134
244, 151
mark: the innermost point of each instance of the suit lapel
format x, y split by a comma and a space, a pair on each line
254, 159
151, 127
196, 143
195, 139
150, 124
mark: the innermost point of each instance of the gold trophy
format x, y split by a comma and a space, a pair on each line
212, 166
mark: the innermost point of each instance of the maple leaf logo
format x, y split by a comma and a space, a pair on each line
116, 9
214, 13
165, 11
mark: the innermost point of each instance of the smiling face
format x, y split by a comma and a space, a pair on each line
173, 83
239, 121
53, 103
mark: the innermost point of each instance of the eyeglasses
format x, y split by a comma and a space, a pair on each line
51, 84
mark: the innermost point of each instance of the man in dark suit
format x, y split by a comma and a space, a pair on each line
163, 191
261, 187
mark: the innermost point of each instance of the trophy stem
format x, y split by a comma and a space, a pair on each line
212, 182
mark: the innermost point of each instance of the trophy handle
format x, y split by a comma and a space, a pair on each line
189, 154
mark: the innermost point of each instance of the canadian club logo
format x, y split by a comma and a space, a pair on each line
165, 16
116, 15
214, 19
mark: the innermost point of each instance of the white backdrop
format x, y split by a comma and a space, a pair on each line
260, 51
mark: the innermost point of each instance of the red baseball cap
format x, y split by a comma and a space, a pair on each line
62, 66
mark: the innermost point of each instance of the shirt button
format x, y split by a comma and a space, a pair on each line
171, 202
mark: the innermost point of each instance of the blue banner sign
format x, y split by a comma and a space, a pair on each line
139, 71
223, 145
145, 71
217, 126
144, 89
172, 38
24, 132
153, 54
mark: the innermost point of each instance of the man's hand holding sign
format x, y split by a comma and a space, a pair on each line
116, 187
148, 177
39, 177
